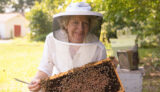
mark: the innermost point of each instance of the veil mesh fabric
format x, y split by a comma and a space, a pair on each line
74, 54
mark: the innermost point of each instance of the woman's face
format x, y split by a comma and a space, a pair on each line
77, 28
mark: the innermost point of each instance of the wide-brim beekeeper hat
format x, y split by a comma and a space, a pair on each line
78, 9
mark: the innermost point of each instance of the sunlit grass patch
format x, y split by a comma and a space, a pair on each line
18, 59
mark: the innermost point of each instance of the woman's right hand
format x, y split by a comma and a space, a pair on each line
34, 86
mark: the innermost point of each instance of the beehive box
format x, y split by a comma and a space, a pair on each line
94, 77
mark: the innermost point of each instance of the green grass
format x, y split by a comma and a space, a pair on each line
18, 59
149, 57
145, 52
151, 84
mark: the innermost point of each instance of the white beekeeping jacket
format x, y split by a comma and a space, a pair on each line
60, 56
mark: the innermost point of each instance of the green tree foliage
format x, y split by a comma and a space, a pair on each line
3, 4
21, 5
30, 3
41, 19
119, 14
142, 17
152, 23
40, 24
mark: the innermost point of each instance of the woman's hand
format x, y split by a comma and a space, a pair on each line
34, 86
114, 61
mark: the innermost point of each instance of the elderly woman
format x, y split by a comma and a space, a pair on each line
74, 42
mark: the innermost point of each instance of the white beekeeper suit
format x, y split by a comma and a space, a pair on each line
60, 55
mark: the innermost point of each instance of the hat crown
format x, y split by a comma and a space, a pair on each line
79, 6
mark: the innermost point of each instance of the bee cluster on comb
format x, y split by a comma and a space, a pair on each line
94, 77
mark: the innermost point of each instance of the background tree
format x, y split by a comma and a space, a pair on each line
140, 17
21, 5
3, 5
18, 6
41, 17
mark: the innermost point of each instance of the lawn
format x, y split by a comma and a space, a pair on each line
20, 59
150, 60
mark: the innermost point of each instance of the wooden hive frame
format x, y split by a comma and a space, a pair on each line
99, 76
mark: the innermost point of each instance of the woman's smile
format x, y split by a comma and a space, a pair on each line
77, 29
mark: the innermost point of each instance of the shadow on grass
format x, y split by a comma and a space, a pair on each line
151, 84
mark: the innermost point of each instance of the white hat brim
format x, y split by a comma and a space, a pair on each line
95, 24
72, 13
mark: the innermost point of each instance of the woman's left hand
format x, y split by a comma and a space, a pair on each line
114, 61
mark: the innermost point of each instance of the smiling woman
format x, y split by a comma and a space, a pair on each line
73, 43
77, 28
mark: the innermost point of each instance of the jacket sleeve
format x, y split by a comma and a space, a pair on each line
101, 52
46, 64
